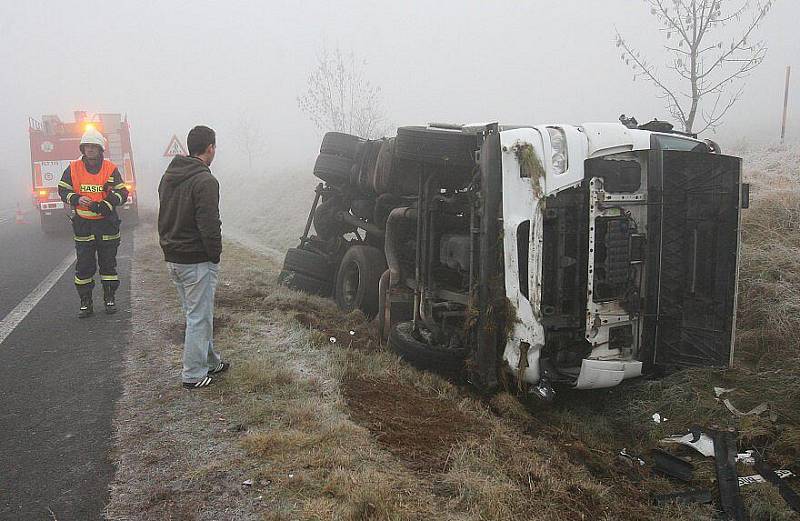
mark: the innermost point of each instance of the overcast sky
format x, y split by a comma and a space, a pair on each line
172, 64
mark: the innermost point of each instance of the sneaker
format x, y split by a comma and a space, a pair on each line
221, 368
205, 382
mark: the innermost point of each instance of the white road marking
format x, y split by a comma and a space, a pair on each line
18, 314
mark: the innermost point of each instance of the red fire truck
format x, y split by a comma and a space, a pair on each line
54, 143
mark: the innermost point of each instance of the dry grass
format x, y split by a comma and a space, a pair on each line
344, 430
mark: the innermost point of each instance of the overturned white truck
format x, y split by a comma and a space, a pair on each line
556, 254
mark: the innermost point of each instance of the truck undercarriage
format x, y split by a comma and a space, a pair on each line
497, 250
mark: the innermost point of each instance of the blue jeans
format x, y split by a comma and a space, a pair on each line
196, 285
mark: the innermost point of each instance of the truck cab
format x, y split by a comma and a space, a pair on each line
575, 255
632, 242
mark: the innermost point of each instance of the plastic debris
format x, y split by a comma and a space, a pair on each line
758, 478
755, 411
332, 340
702, 444
746, 458
673, 466
658, 418
248, 483
719, 391
632, 459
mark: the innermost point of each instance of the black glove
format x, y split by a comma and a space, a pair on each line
100, 207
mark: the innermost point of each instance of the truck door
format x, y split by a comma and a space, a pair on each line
693, 231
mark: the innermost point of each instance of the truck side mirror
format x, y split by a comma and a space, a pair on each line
745, 195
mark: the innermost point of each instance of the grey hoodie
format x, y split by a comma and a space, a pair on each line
189, 227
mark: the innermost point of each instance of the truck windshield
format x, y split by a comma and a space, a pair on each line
662, 142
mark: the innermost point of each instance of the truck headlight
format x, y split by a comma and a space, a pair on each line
558, 142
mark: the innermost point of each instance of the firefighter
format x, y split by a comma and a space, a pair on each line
93, 187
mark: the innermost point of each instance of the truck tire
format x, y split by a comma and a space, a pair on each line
308, 263
365, 169
380, 174
304, 283
357, 279
436, 147
422, 355
340, 144
334, 170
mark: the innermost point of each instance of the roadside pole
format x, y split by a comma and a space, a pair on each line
785, 102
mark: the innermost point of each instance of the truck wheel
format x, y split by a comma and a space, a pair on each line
340, 144
358, 278
308, 263
420, 354
381, 173
334, 170
305, 283
438, 147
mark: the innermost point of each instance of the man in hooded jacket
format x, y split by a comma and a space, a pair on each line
190, 234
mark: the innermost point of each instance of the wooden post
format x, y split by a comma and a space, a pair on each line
785, 103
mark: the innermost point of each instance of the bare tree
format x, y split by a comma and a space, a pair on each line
248, 138
709, 51
340, 97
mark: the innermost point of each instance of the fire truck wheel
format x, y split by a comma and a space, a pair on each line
358, 278
339, 144
404, 342
308, 263
334, 170
302, 282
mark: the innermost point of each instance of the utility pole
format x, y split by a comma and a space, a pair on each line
785, 103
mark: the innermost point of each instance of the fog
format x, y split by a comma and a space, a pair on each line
172, 64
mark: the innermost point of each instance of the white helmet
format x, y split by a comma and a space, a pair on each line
93, 137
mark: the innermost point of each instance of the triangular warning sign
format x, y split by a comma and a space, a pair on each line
174, 148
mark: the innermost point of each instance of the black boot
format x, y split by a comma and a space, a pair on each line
108, 298
86, 307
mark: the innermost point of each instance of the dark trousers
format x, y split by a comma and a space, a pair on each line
96, 243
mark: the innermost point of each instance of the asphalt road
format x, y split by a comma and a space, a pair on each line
59, 380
